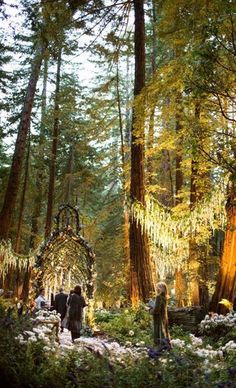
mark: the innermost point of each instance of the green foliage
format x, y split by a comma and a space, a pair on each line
132, 325
101, 316
177, 331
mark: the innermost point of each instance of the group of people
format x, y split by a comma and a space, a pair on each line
70, 307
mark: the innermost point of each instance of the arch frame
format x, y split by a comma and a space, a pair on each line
67, 228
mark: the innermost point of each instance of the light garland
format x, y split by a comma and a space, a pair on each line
10, 259
170, 229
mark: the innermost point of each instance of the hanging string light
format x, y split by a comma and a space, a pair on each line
10, 259
170, 229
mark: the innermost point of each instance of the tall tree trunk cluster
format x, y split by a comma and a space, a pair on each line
20, 147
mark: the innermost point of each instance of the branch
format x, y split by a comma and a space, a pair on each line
217, 162
223, 112
232, 32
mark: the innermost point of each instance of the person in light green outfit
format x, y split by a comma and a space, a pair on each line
160, 316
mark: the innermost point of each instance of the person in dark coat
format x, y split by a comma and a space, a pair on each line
69, 297
60, 304
77, 303
160, 317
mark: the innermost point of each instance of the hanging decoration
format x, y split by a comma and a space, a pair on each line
10, 259
170, 229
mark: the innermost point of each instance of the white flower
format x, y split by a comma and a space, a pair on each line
28, 332
46, 348
41, 336
177, 342
220, 353
37, 330
131, 333
163, 360
19, 337
32, 339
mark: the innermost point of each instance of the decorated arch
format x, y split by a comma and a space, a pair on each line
66, 258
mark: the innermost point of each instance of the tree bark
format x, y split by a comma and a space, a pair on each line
52, 173
22, 201
198, 290
20, 221
124, 180
69, 178
179, 180
141, 283
26, 283
179, 287
20, 146
226, 280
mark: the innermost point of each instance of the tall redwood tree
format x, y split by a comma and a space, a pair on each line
141, 284
226, 280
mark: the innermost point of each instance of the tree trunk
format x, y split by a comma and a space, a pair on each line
124, 180
140, 267
14, 274
69, 178
18, 157
226, 280
20, 220
26, 283
22, 201
193, 270
198, 291
150, 138
39, 187
179, 180
179, 288
52, 173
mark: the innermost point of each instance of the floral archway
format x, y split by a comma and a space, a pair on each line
66, 258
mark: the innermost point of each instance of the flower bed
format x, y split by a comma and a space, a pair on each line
32, 357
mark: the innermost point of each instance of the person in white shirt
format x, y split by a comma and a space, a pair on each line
41, 302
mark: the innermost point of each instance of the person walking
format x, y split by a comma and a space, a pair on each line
160, 317
60, 305
69, 297
77, 303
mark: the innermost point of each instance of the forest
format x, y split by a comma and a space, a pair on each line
118, 171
